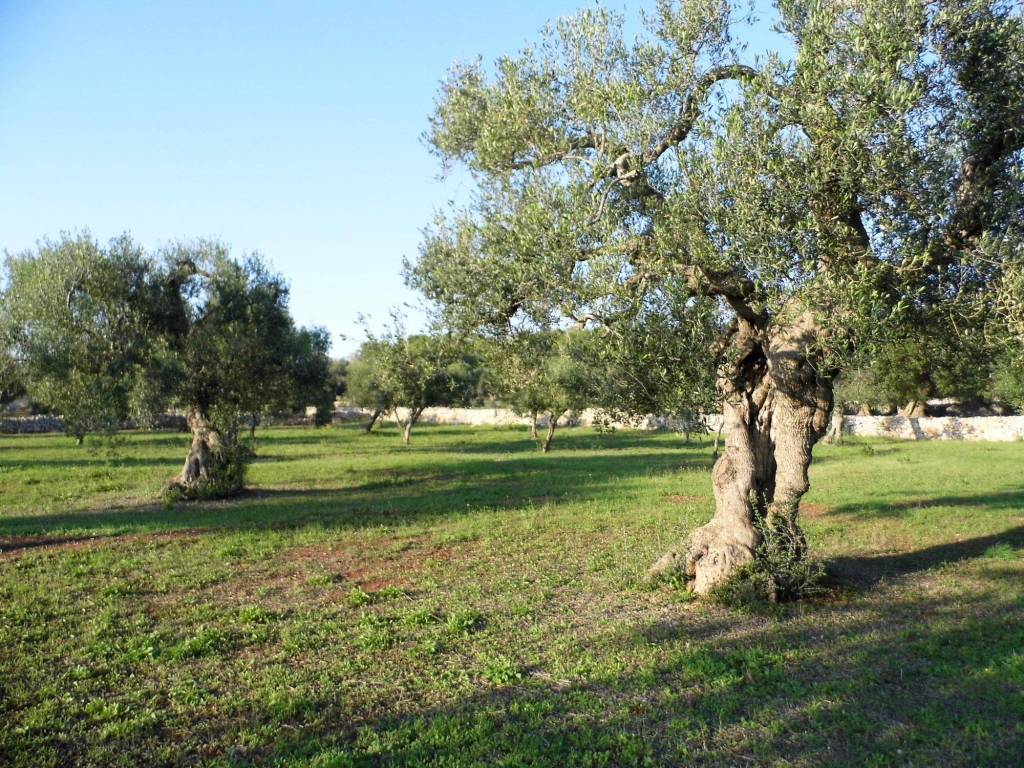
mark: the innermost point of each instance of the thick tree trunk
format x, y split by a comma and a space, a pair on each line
552, 423
215, 464
373, 420
533, 425
915, 409
834, 435
775, 407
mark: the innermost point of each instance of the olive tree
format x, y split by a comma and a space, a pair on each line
101, 334
78, 334
417, 372
813, 195
544, 374
363, 383
236, 350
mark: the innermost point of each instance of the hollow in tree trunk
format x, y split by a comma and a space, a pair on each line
215, 465
776, 402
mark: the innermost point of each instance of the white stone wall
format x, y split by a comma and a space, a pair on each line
996, 428
501, 417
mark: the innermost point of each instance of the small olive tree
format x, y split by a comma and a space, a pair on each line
545, 374
416, 372
363, 383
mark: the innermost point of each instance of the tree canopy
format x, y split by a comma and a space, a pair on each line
100, 334
79, 327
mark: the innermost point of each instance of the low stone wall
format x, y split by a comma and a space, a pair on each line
35, 425
995, 428
30, 425
505, 417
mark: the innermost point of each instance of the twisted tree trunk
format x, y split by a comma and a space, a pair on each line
776, 403
414, 415
215, 464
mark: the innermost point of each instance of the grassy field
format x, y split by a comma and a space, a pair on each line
468, 601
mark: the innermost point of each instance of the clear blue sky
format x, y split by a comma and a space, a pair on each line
292, 128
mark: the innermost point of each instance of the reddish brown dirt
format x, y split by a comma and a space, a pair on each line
370, 566
688, 499
15, 546
813, 510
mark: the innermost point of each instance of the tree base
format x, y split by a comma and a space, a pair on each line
213, 469
715, 553
771, 566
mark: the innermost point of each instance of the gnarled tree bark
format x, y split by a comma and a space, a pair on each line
776, 403
212, 464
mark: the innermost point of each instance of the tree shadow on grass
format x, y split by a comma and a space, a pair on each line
867, 570
999, 501
396, 497
87, 461
898, 678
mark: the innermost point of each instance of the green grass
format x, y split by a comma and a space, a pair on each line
468, 601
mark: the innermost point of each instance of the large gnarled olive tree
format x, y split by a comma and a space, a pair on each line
811, 196
236, 351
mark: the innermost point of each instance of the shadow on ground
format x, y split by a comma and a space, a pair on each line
449, 487
901, 673
867, 570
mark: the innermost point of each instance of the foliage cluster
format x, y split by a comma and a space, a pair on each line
101, 334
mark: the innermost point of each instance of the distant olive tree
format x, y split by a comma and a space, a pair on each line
417, 372
101, 334
364, 383
545, 374
78, 331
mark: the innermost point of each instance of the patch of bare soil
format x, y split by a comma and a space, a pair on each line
813, 510
688, 499
14, 546
390, 562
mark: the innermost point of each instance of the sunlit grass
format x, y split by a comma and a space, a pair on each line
468, 601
